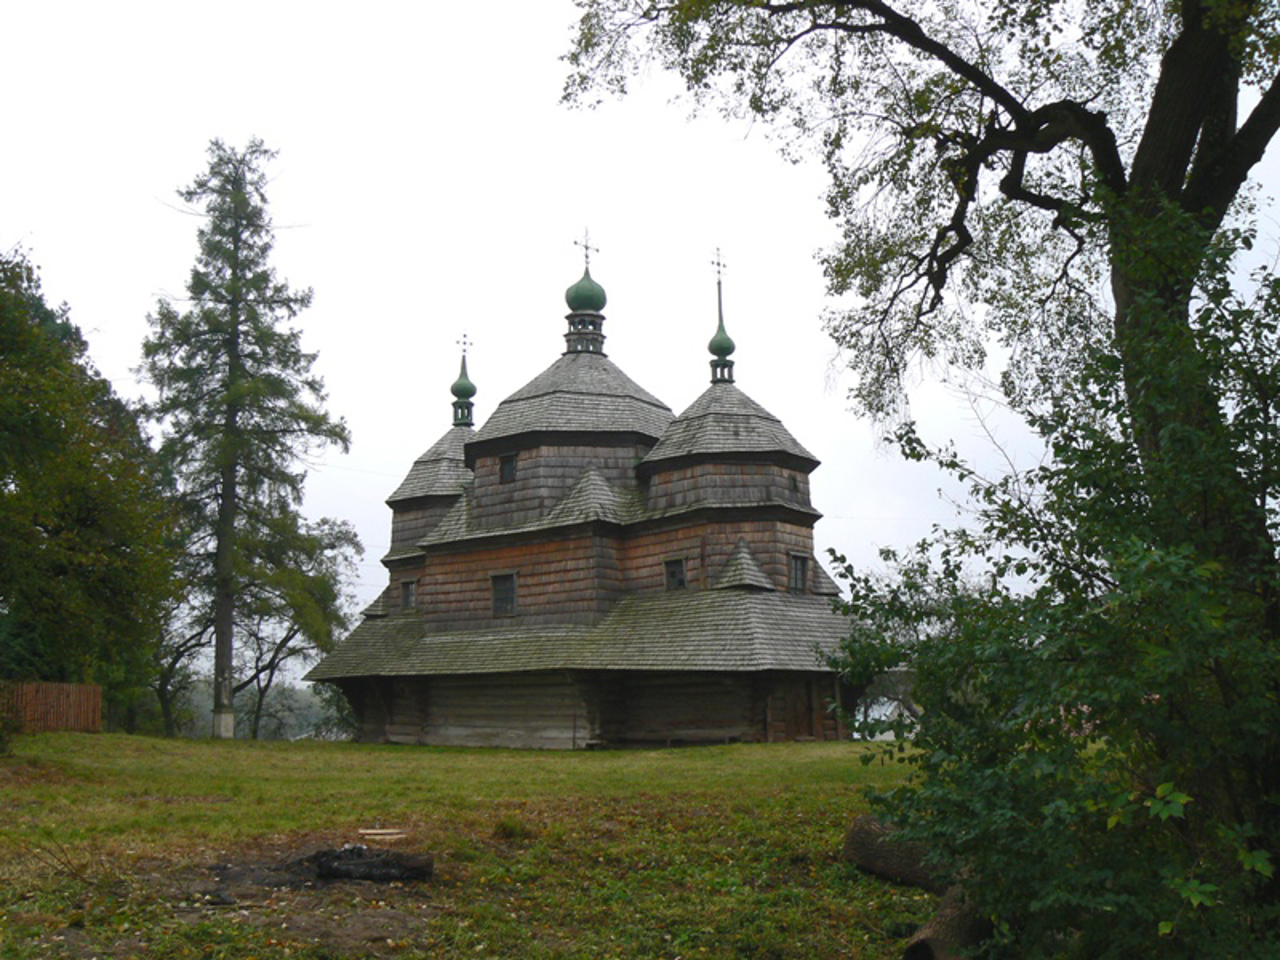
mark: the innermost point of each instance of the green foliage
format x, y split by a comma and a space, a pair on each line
1097, 695
1095, 654
84, 554
241, 410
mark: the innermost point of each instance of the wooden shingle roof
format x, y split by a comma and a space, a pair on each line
709, 630
580, 392
441, 471
725, 421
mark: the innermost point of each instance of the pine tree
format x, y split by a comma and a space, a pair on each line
237, 398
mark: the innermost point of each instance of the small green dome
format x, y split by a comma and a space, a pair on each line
585, 296
721, 344
463, 388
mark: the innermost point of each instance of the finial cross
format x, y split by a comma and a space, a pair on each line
587, 248
718, 264
464, 342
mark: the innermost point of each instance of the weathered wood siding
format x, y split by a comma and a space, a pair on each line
546, 710
799, 707
544, 476
706, 548
669, 709
38, 707
413, 520
745, 483
563, 710
568, 580
542, 710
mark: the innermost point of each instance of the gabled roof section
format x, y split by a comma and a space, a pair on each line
742, 570
823, 585
441, 471
724, 421
579, 393
594, 498
712, 630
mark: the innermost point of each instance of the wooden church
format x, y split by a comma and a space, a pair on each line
586, 570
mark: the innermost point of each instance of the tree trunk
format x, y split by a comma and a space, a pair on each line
224, 581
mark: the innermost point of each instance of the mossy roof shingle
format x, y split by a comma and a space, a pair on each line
706, 630
441, 471
724, 420
580, 392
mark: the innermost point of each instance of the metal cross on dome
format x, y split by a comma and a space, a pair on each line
718, 263
464, 342
587, 248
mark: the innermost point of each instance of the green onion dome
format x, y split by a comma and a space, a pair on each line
585, 296
721, 344
463, 388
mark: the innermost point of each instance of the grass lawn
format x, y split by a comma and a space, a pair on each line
122, 846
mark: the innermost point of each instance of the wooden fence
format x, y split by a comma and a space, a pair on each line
35, 707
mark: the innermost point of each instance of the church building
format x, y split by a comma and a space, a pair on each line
588, 570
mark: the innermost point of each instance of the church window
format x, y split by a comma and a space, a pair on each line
408, 595
504, 595
675, 574
799, 574
507, 468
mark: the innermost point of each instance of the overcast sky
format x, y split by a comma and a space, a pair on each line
430, 183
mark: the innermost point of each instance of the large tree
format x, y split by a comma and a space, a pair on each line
85, 552
1070, 182
238, 400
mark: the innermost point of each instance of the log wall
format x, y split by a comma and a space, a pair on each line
671, 709
565, 710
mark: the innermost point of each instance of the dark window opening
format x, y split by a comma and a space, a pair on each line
795, 484
799, 574
504, 595
507, 468
408, 595
675, 574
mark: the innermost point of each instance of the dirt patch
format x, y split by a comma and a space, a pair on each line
273, 890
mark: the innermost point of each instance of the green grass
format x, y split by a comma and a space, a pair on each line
709, 852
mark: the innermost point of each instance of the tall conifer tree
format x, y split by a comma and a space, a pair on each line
237, 397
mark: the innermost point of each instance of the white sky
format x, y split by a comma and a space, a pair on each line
430, 183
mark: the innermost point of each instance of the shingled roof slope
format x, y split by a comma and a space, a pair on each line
592, 498
442, 470
710, 630
742, 570
724, 420
580, 392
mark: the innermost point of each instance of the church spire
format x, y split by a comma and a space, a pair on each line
463, 390
721, 345
585, 300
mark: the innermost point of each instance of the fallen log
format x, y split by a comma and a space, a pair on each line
868, 845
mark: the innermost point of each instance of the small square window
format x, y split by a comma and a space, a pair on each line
504, 595
507, 468
799, 574
675, 574
408, 595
